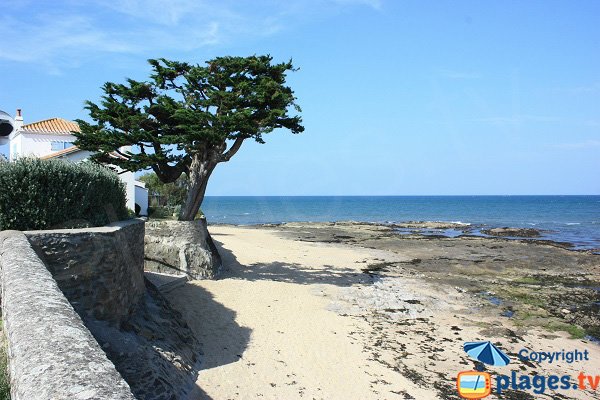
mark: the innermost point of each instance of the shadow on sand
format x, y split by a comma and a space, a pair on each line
288, 272
222, 340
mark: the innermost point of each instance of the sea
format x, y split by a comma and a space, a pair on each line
571, 219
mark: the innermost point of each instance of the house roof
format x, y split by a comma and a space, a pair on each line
52, 126
74, 149
60, 153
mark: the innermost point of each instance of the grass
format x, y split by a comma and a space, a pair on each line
575, 331
527, 280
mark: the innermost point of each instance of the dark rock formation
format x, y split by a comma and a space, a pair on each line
513, 232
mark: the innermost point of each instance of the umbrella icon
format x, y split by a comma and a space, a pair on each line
487, 353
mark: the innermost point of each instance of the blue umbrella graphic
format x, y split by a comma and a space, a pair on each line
487, 353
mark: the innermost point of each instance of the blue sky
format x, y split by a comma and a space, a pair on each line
398, 97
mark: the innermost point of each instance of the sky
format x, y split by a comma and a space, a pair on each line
398, 97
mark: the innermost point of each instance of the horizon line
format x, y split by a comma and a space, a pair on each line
400, 195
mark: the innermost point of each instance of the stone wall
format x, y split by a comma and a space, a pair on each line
100, 270
181, 247
52, 355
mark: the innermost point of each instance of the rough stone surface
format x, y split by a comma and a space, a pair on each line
100, 270
181, 247
513, 232
52, 355
154, 350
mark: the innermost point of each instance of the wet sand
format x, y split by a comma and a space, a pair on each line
356, 311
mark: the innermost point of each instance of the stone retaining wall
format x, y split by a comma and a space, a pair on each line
100, 270
52, 355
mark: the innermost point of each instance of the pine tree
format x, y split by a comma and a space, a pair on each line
189, 118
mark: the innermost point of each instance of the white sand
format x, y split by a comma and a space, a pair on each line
290, 320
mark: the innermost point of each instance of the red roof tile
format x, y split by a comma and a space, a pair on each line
55, 126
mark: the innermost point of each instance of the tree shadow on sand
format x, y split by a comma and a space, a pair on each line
289, 272
222, 340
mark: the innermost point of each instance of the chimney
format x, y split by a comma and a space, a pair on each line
18, 120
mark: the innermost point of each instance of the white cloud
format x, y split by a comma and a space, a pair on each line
60, 37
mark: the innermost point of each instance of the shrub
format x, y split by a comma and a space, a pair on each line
45, 194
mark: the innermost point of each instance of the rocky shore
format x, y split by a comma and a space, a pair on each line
351, 310
517, 277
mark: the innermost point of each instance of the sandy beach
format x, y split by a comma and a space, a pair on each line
356, 311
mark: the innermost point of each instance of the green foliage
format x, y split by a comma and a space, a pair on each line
171, 194
161, 212
169, 212
44, 194
188, 118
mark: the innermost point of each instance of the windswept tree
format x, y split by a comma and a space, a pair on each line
188, 118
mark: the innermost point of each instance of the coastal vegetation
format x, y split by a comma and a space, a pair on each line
189, 118
43, 194
166, 199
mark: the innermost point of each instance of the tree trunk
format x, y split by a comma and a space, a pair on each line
200, 170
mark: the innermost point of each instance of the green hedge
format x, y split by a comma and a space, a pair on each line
46, 194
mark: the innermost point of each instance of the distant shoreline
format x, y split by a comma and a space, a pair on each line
443, 229
561, 219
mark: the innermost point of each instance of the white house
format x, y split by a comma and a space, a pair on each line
53, 138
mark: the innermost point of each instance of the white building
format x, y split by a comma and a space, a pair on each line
53, 138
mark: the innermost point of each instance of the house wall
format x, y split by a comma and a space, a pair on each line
78, 156
129, 179
14, 147
141, 198
38, 145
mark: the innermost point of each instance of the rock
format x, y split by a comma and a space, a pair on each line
515, 232
181, 248
431, 225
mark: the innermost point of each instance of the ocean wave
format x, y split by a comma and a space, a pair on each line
573, 223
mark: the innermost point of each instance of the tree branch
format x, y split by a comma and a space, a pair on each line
232, 150
168, 173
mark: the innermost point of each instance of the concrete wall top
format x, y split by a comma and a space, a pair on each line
52, 355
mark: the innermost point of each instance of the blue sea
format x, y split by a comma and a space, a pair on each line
573, 219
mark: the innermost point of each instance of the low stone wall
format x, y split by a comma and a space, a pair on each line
52, 355
181, 247
100, 270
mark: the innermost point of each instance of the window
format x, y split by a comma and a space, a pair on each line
56, 146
